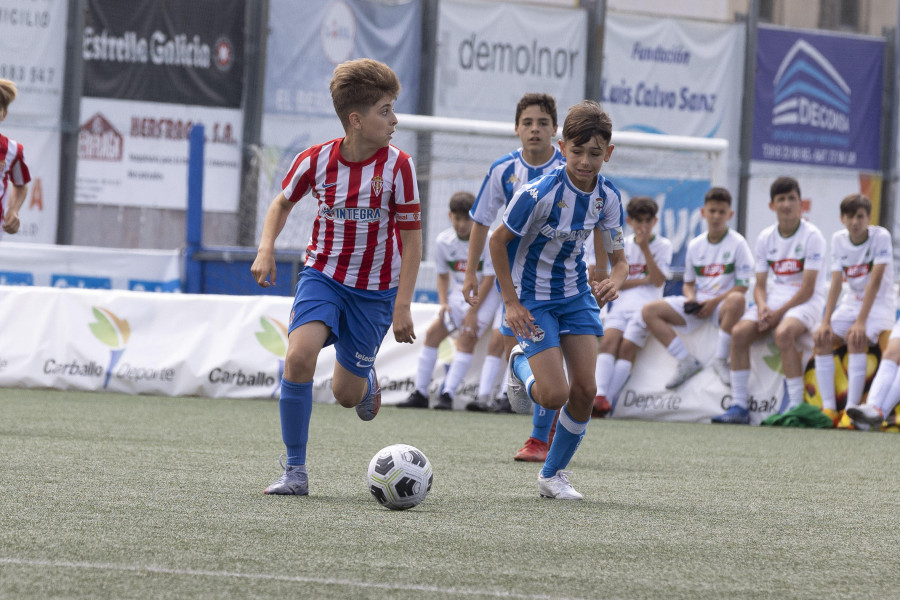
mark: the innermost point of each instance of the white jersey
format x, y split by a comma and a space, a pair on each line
553, 219
788, 257
855, 263
716, 268
451, 255
661, 250
508, 173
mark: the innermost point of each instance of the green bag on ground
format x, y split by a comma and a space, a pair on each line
802, 415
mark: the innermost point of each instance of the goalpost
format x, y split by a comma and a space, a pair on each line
455, 154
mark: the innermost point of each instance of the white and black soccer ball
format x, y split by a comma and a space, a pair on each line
400, 476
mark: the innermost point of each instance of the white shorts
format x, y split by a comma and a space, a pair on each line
895, 330
628, 320
487, 310
692, 322
845, 315
809, 313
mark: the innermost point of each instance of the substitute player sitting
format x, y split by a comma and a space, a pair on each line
794, 251
717, 269
450, 256
863, 255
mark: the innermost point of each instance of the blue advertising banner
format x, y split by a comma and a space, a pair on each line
818, 99
679, 200
307, 41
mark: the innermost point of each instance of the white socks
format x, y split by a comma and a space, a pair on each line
825, 379
723, 345
676, 348
427, 360
603, 372
620, 375
856, 377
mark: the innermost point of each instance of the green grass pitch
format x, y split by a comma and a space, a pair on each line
111, 496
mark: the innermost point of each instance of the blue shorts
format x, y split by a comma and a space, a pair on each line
576, 315
358, 319
504, 328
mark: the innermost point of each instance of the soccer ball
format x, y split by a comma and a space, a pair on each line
400, 476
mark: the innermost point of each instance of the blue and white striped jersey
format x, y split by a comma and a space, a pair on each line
553, 219
508, 173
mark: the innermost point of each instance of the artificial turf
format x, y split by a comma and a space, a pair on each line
112, 496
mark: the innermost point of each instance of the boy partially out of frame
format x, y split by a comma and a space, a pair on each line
863, 255
354, 283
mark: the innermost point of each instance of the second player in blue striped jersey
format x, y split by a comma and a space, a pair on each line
536, 124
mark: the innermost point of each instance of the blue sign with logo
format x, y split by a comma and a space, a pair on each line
818, 99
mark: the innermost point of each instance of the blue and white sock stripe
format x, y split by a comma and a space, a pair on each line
570, 424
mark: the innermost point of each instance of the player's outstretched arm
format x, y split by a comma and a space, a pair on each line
409, 270
11, 214
477, 239
263, 267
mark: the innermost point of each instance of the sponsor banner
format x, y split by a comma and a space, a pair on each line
672, 76
679, 204
174, 52
136, 154
675, 77
490, 54
86, 267
303, 52
703, 396
39, 214
144, 343
33, 46
818, 99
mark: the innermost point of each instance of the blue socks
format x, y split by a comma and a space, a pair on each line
569, 434
295, 406
542, 422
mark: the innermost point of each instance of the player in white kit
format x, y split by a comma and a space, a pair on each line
794, 251
649, 259
863, 256
717, 269
451, 254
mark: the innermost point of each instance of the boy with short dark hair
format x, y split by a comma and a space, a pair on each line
455, 314
649, 259
551, 306
793, 249
536, 124
717, 269
863, 256
354, 283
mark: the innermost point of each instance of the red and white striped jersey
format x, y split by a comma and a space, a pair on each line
12, 167
361, 207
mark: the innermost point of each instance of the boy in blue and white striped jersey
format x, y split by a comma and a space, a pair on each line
551, 306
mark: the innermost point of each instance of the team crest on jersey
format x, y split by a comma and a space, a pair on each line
377, 185
538, 334
798, 249
598, 204
726, 256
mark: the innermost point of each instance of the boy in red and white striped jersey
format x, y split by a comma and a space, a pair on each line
354, 283
14, 175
